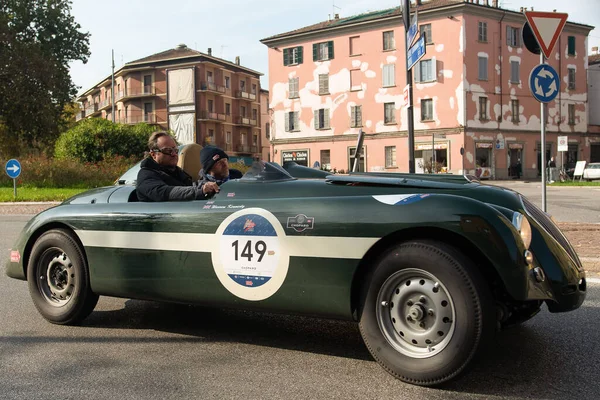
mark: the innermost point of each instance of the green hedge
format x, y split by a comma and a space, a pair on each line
95, 139
45, 172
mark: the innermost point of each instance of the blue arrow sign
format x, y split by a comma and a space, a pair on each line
416, 52
544, 83
13, 168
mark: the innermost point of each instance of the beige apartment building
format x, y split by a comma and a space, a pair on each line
201, 98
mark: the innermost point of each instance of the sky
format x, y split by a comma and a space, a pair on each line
138, 28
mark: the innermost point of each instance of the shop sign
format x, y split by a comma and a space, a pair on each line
500, 144
515, 145
484, 145
298, 156
427, 146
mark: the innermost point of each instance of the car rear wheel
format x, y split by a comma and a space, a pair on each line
426, 311
58, 279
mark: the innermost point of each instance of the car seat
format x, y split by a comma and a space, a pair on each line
189, 159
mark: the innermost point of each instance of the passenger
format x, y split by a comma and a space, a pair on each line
160, 179
215, 168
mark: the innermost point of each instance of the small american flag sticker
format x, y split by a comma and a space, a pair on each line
249, 283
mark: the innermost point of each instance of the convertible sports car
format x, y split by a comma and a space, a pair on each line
429, 266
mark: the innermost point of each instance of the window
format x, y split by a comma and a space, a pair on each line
293, 88
389, 43
390, 113
514, 72
514, 106
483, 109
254, 88
426, 71
571, 114
482, 73
482, 36
243, 139
209, 76
255, 140
210, 106
326, 159
293, 56
255, 114
355, 81
513, 36
571, 46
243, 111
210, 138
243, 86
321, 118
361, 159
355, 45
389, 75
355, 116
227, 82
323, 83
323, 51
425, 30
571, 78
147, 84
227, 109
291, 121
426, 110
228, 137
268, 131
390, 156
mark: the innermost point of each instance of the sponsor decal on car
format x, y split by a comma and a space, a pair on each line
400, 199
300, 223
15, 256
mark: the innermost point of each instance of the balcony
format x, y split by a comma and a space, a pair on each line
240, 94
212, 87
239, 120
145, 91
79, 116
228, 147
206, 115
131, 120
244, 148
104, 104
91, 110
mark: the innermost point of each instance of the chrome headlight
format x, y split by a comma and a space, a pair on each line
522, 225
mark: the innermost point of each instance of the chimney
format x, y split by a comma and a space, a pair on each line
337, 16
210, 51
237, 60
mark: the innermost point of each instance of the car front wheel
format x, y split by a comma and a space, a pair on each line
58, 279
425, 312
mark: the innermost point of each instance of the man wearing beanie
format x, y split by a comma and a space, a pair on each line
215, 167
160, 179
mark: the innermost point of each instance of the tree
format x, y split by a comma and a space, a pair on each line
38, 40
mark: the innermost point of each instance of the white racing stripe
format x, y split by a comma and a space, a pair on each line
299, 246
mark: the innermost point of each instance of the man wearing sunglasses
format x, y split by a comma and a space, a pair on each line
160, 179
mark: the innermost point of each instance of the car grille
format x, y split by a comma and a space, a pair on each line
544, 220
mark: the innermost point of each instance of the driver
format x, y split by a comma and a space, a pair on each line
215, 169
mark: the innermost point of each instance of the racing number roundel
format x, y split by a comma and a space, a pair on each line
250, 260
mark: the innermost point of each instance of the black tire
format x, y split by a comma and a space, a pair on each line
58, 279
428, 283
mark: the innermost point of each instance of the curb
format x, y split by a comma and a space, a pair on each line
28, 203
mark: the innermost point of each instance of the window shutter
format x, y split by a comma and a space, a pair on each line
326, 119
358, 116
433, 69
300, 54
315, 52
571, 50
286, 54
352, 117
316, 117
508, 35
287, 122
417, 71
330, 49
296, 87
296, 123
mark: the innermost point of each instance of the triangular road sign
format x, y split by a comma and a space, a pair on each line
546, 27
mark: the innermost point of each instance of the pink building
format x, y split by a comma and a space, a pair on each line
471, 91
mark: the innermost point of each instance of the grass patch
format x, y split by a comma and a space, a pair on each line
37, 194
575, 183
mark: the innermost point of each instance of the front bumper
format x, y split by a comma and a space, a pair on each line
565, 281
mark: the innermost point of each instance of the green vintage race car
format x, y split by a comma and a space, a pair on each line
429, 266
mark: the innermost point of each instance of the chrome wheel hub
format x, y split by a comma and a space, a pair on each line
57, 277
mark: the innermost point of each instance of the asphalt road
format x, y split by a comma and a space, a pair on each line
565, 203
132, 349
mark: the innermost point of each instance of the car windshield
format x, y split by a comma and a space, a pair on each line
262, 171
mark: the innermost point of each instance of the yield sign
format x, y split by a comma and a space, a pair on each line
546, 27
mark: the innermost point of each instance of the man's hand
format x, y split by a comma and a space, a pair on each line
210, 188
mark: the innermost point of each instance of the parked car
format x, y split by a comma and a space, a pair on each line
591, 171
428, 266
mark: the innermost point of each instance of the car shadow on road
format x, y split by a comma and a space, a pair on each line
534, 360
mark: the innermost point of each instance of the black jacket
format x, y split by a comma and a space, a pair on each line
158, 183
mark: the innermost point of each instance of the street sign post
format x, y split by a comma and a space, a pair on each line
543, 80
563, 145
405, 4
13, 170
412, 31
416, 52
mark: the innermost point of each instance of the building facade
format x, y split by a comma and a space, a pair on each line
593, 74
201, 98
473, 109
